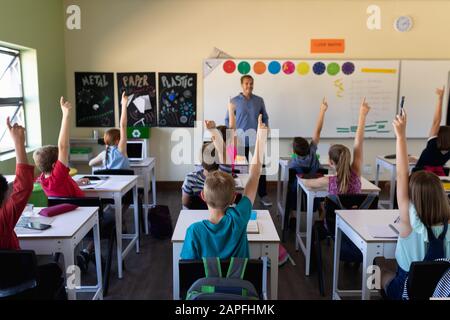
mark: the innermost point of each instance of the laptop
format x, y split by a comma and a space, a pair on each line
136, 150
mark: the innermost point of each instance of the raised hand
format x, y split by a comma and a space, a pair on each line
17, 133
324, 105
364, 108
210, 124
65, 105
399, 124
440, 92
124, 101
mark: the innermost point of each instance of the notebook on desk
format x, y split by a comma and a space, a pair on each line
252, 226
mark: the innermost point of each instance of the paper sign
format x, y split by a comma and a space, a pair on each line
327, 45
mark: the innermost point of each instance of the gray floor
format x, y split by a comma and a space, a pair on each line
148, 275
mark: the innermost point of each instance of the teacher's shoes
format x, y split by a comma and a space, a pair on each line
265, 201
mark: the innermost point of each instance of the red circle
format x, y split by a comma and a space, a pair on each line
229, 66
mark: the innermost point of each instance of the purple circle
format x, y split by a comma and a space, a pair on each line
348, 68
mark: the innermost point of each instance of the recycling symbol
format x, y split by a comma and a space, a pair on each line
136, 133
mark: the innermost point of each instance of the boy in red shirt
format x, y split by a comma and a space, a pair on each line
12, 206
49, 284
53, 162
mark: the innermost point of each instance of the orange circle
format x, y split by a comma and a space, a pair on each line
259, 67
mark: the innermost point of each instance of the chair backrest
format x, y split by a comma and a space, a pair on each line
192, 270
115, 172
348, 202
292, 180
197, 203
423, 278
18, 272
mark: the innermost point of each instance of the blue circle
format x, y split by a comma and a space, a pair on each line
319, 68
274, 67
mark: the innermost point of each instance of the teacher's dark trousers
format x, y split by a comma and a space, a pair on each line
262, 191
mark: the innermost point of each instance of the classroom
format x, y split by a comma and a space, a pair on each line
147, 145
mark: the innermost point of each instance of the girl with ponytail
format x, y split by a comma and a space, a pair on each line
348, 174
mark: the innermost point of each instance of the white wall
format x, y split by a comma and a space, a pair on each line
176, 35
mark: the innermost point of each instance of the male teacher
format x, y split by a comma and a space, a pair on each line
247, 109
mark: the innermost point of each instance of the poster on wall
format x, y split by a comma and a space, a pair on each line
94, 93
141, 90
177, 99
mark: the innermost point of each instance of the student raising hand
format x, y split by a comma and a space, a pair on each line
440, 92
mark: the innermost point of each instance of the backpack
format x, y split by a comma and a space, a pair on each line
160, 222
215, 287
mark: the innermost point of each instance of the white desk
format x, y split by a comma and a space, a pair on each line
353, 223
146, 169
115, 187
366, 188
282, 184
390, 165
67, 231
261, 244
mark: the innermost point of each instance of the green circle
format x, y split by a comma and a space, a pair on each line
244, 67
333, 69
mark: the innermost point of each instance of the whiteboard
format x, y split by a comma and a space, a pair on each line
418, 82
293, 95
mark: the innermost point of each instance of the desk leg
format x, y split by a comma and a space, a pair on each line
146, 200
176, 252
136, 216
69, 261
337, 255
297, 223
377, 173
392, 189
309, 222
153, 194
98, 261
369, 254
278, 192
118, 214
272, 253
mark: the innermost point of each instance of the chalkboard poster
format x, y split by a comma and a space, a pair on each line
94, 99
141, 90
177, 99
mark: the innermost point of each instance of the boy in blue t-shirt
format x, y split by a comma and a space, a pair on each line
224, 234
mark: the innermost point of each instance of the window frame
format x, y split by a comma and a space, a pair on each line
17, 102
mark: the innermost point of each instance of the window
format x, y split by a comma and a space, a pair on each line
11, 95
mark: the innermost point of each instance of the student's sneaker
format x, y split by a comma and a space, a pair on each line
283, 257
265, 201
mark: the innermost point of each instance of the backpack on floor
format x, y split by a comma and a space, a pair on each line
215, 287
160, 222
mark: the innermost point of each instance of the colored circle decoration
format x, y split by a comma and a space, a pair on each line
288, 67
303, 68
333, 69
274, 67
229, 66
319, 68
259, 67
348, 68
244, 67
